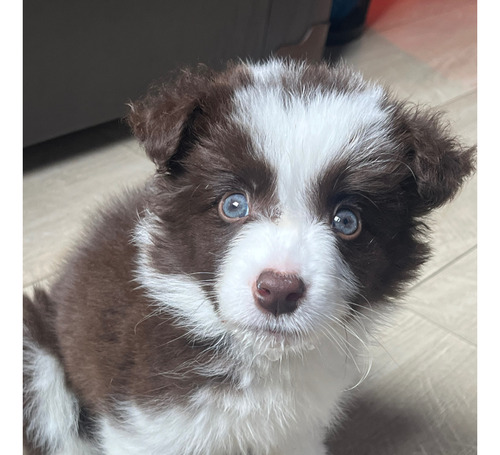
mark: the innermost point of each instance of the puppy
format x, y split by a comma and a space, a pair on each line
225, 307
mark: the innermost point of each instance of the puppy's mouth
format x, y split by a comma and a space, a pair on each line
272, 340
278, 334
264, 331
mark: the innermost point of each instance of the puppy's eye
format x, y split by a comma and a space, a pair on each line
347, 223
233, 207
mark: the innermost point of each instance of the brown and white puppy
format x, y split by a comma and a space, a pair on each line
224, 308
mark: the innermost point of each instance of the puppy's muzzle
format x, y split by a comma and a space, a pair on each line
278, 293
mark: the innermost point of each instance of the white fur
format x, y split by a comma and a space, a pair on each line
284, 410
290, 246
290, 387
301, 136
52, 417
291, 372
180, 295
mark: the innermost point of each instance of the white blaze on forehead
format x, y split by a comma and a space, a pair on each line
300, 136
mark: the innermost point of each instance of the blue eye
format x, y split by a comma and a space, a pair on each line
234, 206
346, 223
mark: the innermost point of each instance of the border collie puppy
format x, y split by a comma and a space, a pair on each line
225, 307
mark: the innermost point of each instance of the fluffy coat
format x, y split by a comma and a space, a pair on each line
159, 336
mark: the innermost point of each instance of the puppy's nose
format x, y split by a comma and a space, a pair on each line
278, 293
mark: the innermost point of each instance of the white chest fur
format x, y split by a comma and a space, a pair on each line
284, 408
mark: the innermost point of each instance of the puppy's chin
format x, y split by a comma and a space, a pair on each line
272, 343
300, 248
290, 335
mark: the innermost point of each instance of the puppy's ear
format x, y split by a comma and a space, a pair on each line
439, 163
163, 119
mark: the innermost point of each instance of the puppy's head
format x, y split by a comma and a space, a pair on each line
287, 197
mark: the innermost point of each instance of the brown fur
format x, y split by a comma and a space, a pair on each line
126, 350
100, 324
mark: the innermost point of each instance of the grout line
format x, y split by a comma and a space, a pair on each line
443, 268
442, 327
457, 98
426, 279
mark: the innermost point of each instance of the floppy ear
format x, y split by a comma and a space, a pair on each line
163, 118
438, 162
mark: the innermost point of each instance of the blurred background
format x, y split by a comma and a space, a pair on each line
83, 61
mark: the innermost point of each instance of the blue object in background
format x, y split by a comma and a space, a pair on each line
347, 20
340, 10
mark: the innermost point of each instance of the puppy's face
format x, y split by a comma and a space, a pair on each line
288, 198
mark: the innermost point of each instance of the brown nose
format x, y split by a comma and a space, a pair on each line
278, 293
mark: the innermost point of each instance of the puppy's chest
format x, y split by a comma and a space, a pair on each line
271, 402
294, 388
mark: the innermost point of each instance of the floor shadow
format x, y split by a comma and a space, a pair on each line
74, 144
364, 432
333, 54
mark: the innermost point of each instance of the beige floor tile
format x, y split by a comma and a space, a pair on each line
453, 229
59, 197
461, 112
430, 60
446, 43
385, 14
111, 134
420, 397
408, 78
449, 298
424, 414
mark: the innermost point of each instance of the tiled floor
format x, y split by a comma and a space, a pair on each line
420, 397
